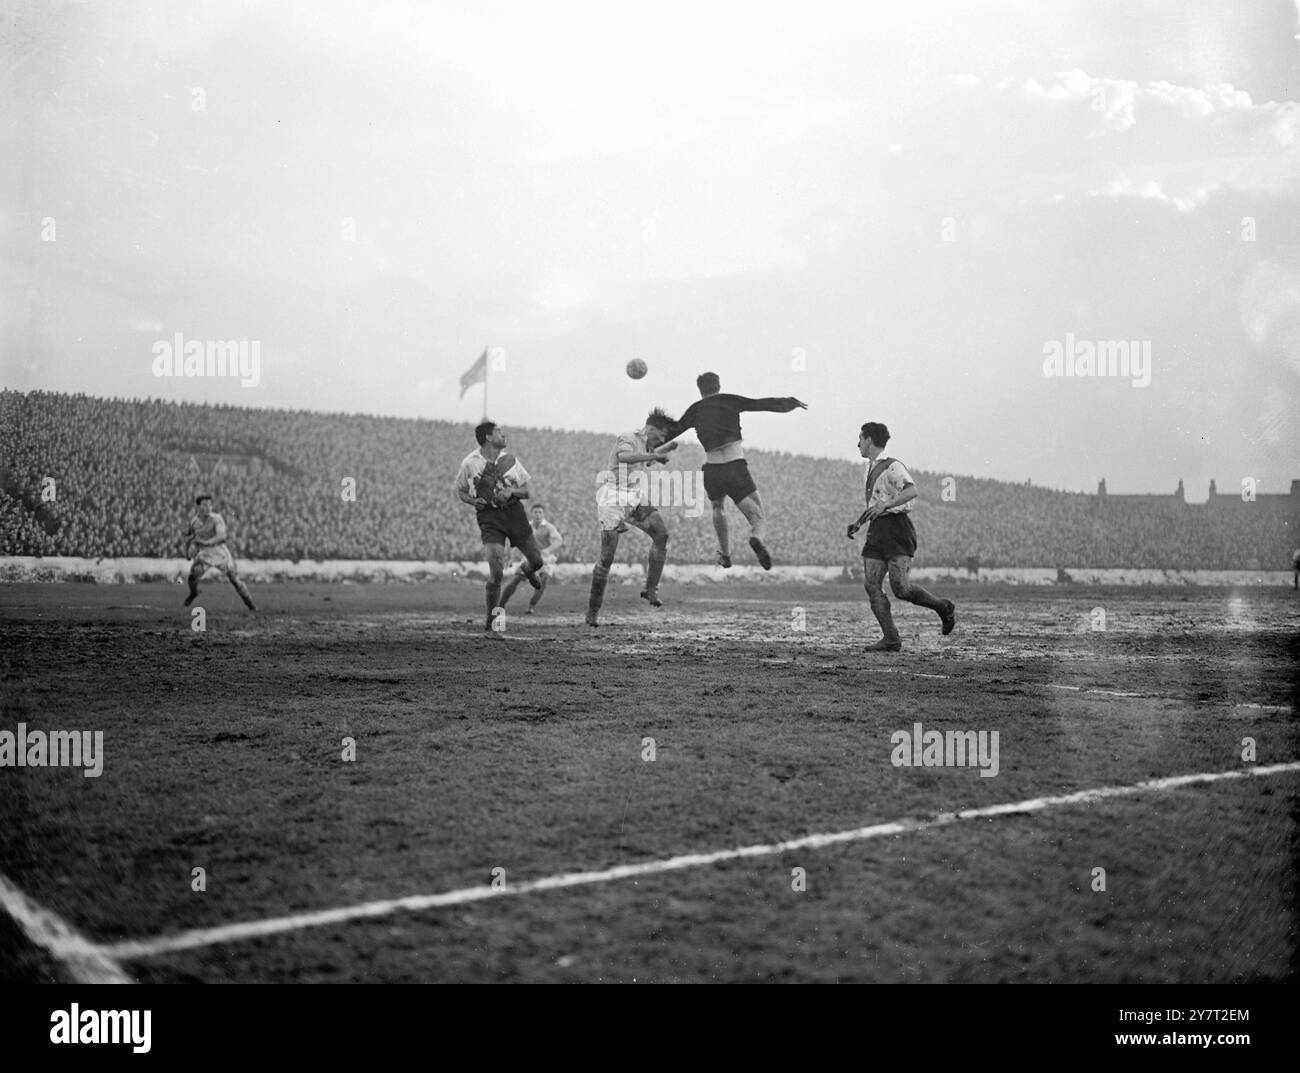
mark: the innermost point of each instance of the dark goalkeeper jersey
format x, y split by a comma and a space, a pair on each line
716, 418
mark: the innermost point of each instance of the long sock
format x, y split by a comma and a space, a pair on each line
243, 593
917, 595
531, 567
194, 586
655, 568
510, 590
599, 575
880, 607
493, 596
724, 539
538, 594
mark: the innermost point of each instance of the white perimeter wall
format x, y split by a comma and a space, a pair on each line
128, 571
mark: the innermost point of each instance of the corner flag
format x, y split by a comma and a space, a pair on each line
476, 374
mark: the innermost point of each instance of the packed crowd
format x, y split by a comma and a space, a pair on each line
99, 478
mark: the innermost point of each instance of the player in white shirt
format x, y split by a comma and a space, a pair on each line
620, 501
207, 531
891, 539
549, 541
493, 482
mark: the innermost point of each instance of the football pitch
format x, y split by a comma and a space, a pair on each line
358, 785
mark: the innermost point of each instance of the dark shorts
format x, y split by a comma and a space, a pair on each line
497, 526
890, 535
722, 479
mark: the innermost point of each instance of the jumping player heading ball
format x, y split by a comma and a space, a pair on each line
621, 501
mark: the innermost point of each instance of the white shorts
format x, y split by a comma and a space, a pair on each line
218, 556
615, 505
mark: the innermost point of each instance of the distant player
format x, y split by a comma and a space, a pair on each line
619, 501
548, 542
207, 533
494, 482
1295, 567
891, 539
716, 420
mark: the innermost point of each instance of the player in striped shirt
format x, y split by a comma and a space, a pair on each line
493, 482
621, 498
549, 541
716, 420
891, 539
207, 531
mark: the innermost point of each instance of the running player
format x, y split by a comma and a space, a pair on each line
207, 531
891, 539
548, 541
620, 501
716, 420
493, 482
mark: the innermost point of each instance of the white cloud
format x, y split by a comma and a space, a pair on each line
1179, 143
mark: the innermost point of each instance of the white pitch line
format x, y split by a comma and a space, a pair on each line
1080, 689
1105, 692
190, 940
86, 962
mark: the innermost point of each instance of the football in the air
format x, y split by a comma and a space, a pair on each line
636, 368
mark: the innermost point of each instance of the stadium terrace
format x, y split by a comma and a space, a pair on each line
213, 357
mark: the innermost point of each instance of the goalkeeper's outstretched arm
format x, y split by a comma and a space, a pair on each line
783, 405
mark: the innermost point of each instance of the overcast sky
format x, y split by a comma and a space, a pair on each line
890, 211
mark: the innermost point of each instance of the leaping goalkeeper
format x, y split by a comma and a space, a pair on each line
716, 420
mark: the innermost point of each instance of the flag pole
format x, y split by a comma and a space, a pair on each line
486, 363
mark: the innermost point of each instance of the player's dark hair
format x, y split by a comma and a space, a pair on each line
483, 430
539, 506
199, 502
876, 433
659, 419
708, 383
